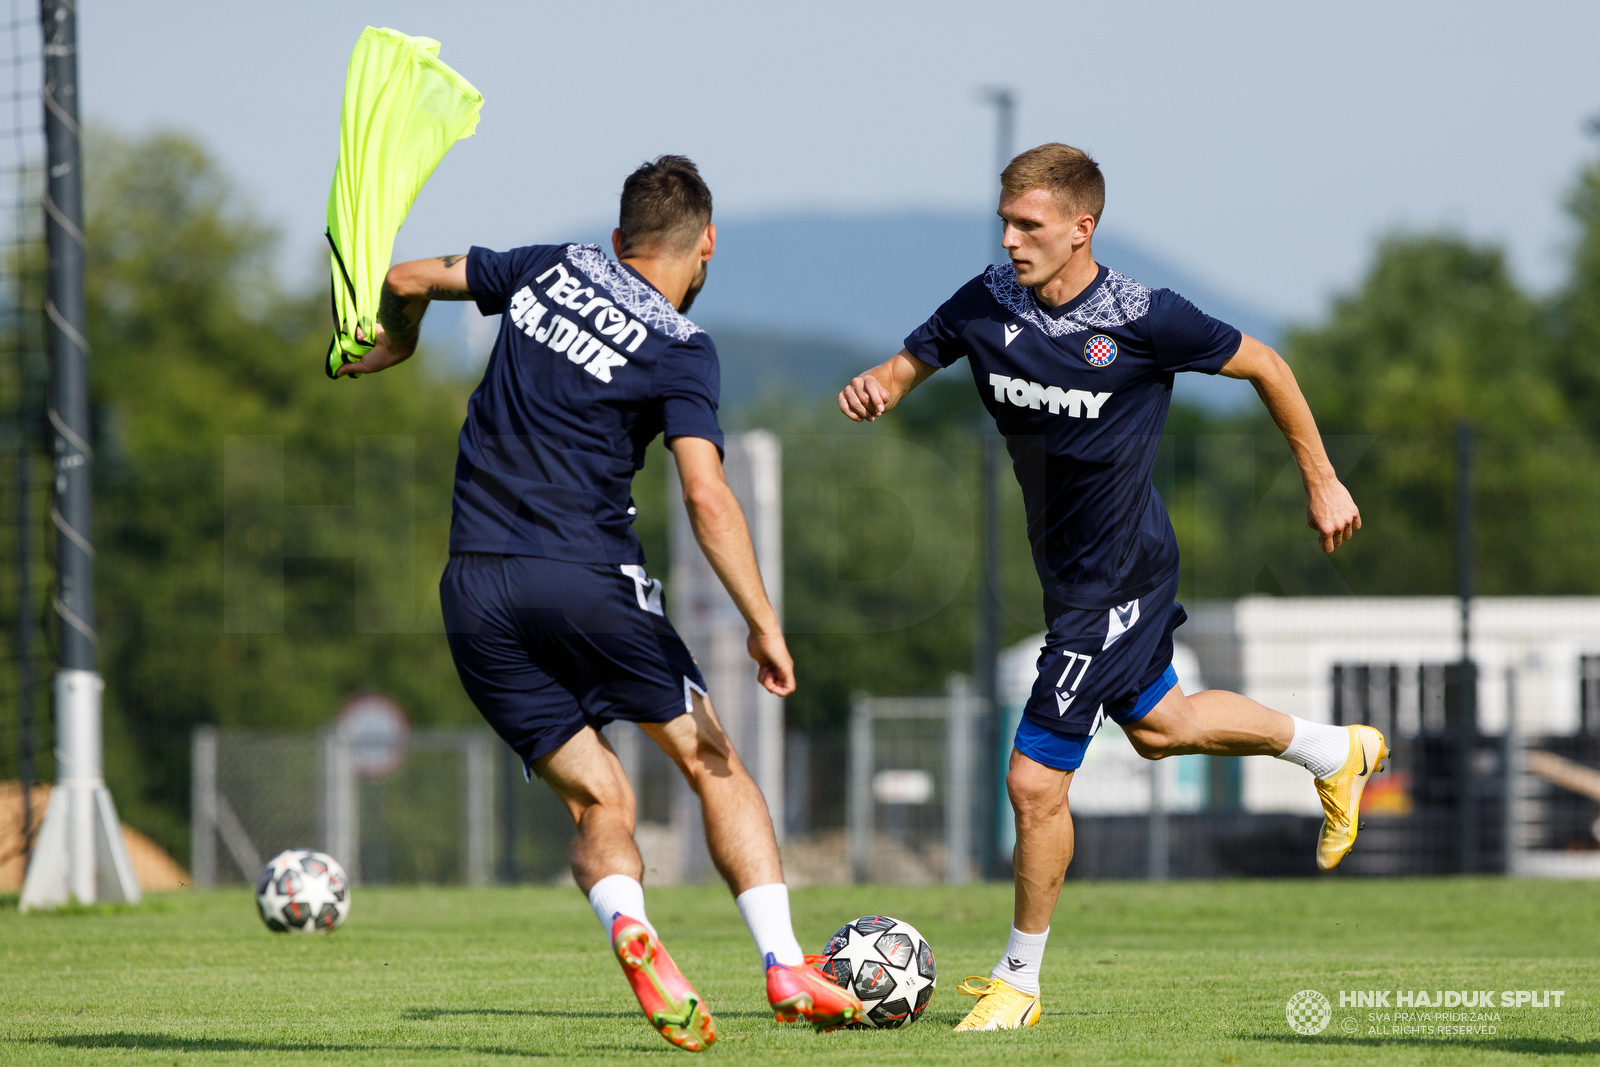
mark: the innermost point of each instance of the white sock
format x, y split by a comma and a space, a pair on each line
617, 894
1318, 747
766, 912
1019, 967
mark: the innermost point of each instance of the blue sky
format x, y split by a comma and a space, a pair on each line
1261, 146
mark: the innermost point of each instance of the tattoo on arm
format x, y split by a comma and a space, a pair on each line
445, 292
397, 325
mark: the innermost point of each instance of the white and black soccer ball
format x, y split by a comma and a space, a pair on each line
304, 891
887, 964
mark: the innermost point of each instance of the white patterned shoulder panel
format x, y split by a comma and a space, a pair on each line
1115, 302
637, 298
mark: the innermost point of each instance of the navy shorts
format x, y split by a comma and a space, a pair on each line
545, 647
1096, 664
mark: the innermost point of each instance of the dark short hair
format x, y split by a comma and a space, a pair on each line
1069, 173
665, 203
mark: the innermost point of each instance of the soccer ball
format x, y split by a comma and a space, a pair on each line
887, 963
304, 891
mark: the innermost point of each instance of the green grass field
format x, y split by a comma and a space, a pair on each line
1193, 972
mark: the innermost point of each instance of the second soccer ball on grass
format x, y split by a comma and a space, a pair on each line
303, 890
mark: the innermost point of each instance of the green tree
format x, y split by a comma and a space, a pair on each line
1438, 333
197, 353
1577, 308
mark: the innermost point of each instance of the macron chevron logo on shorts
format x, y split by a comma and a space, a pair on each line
1119, 620
645, 588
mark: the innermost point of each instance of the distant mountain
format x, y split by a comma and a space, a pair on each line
756, 363
802, 301
868, 280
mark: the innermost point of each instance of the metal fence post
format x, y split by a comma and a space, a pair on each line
1511, 779
203, 807
624, 737
958, 780
1156, 847
510, 767
340, 831
477, 802
859, 799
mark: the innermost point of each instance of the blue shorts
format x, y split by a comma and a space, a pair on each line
1065, 752
1096, 664
545, 647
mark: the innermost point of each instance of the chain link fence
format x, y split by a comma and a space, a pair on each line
455, 809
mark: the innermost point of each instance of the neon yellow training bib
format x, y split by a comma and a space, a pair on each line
403, 109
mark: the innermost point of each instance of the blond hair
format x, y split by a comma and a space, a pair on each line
1068, 172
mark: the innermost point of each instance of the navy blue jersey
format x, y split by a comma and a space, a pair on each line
1081, 393
591, 363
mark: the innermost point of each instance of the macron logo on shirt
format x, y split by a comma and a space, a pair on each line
1011, 330
1025, 394
570, 338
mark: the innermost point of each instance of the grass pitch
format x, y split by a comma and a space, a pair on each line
1136, 973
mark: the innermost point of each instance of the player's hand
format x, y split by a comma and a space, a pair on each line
774, 665
1332, 512
863, 400
377, 358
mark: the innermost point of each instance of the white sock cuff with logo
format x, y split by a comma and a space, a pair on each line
1318, 747
766, 912
617, 894
1019, 967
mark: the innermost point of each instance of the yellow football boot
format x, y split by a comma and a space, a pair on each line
999, 1007
1341, 795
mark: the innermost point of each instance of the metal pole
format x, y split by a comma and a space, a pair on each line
81, 829
203, 806
510, 764
1464, 545
78, 698
859, 797
25, 620
69, 351
1466, 725
1157, 849
1511, 776
986, 629
958, 780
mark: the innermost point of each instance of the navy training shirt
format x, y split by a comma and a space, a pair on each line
591, 363
1081, 393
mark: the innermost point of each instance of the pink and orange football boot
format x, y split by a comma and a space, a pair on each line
669, 1001
804, 992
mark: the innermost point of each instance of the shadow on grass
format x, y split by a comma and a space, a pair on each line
1533, 1046
434, 1014
171, 1043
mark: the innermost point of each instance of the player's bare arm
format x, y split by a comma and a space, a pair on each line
881, 388
407, 290
720, 528
1330, 510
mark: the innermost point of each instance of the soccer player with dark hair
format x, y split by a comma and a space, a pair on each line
553, 623
1075, 362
